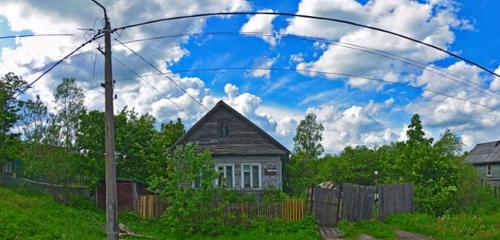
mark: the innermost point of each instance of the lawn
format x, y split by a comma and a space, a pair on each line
25, 215
457, 226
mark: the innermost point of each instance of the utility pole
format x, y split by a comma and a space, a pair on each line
111, 202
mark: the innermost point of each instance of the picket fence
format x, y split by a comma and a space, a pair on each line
289, 210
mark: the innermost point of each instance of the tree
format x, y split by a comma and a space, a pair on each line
10, 85
187, 184
69, 99
34, 118
415, 132
308, 136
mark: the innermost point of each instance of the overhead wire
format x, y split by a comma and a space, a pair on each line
162, 73
151, 85
369, 78
378, 52
96, 36
311, 17
392, 56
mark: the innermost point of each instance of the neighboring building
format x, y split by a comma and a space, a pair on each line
246, 157
11, 169
486, 158
128, 192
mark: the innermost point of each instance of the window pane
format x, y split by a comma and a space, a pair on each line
246, 179
229, 176
255, 176
246, 167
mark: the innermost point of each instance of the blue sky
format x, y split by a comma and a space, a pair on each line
353, 110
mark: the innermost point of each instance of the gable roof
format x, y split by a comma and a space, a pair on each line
273, 146
485, 153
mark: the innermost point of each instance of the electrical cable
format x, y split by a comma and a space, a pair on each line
162, 73
311, 17
152, 86
336, 74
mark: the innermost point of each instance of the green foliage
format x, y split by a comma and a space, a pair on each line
24, 215
274, 195
308, 136
140, 148
10, 85
187, 185
50, 164
34, 120
69, 103
443, 182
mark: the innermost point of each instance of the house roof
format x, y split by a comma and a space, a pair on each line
232, 146
484, 153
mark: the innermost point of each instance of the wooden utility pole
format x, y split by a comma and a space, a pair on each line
111, 202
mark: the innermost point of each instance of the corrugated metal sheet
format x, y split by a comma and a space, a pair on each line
483, 153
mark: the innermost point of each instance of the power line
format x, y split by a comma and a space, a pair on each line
338, 74
162, 73
37, 35
152, 86
392, 56
96, 36
311, 17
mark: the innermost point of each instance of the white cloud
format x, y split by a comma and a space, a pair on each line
473, 122
261, 65
431, 22
495, 85
356, 125
261, 24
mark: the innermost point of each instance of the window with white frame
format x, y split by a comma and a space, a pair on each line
7, 168
489, 170
225, 177
251, 176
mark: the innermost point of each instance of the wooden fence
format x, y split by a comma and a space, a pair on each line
288, 210
325, 204
397, 198
149, 207
357, 202
354, 203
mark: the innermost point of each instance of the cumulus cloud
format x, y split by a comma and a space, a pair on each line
473, 122
431, 22
495, 85
260, 67
356, 125
41, 17
261, 24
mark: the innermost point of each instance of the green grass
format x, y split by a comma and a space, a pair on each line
457, 226
25, 215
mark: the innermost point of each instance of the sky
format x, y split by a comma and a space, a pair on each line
363, 85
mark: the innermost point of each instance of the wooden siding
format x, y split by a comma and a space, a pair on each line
245, 138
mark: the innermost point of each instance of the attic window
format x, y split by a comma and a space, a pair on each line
224, 129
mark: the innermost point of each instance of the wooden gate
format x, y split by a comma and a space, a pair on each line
395, 198
357, 202
325, 205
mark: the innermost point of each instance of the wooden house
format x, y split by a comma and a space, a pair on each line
246, 157
486, 159
11, 169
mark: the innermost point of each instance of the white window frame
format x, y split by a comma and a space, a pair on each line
8, 167
489, 170
251, 176
225, 173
